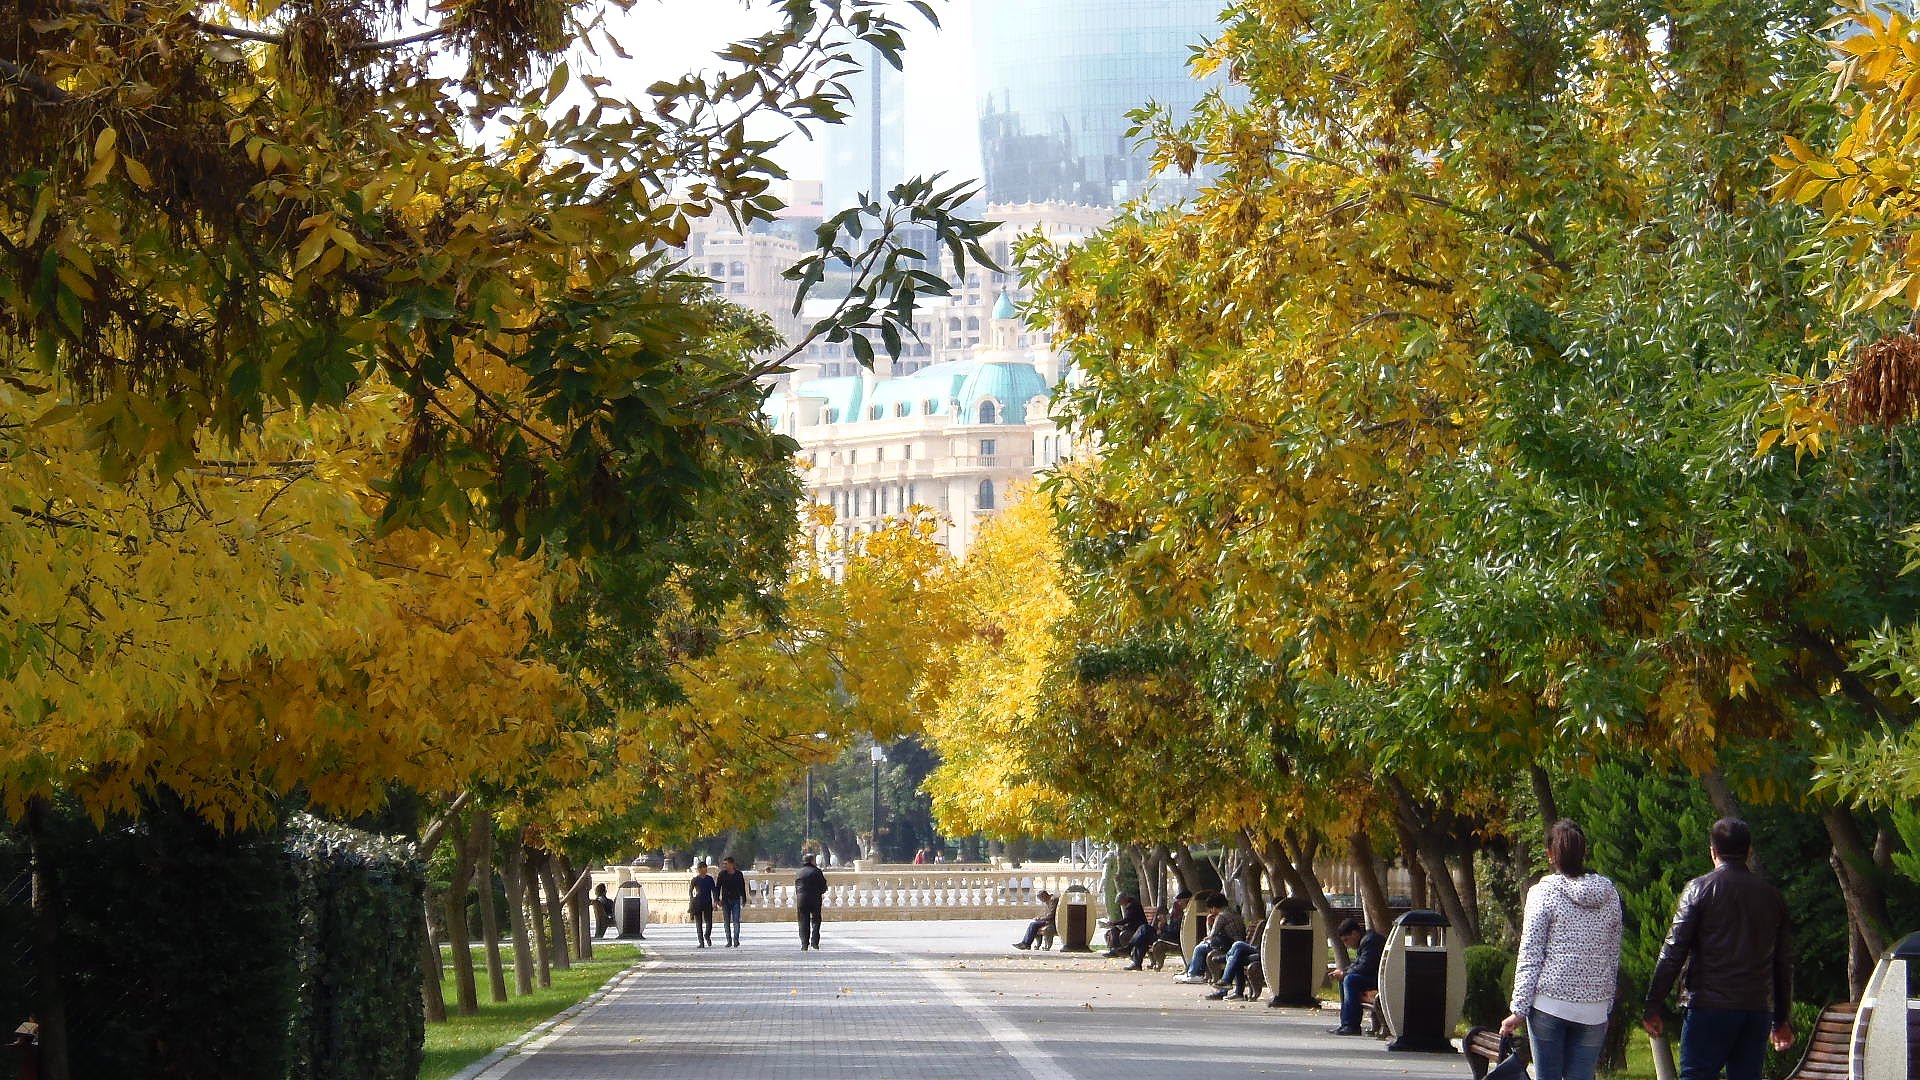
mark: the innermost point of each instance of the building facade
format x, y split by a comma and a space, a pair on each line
1055, 82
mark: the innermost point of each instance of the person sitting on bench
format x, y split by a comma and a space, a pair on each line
1224, 927
1050, 906
1360, 976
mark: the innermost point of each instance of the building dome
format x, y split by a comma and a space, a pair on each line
1003, 308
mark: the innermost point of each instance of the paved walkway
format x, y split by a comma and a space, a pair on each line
930, 1001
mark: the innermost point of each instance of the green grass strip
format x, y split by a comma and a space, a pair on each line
463, 1040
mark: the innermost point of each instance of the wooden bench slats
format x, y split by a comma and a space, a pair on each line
1827, 1045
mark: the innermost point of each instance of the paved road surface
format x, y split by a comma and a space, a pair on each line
930, 1001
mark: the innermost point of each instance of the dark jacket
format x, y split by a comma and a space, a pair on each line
700, 892
809, 885
1731, 934
1366, 958
733, 886
1132, 918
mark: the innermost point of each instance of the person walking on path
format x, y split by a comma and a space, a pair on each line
1563, 986
1360, 976
700, 903
809, 892
1730, 933
733, 898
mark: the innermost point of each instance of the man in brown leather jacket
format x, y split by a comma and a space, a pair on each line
1730, 933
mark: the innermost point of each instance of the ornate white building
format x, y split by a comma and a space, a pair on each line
958, 421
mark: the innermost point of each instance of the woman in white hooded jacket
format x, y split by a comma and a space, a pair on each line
1564, 984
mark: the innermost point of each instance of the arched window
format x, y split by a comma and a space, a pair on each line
986, 494
953, 324
739, 269
973, 322
988, 414
876, 412
718, 269
930, 407
902, 409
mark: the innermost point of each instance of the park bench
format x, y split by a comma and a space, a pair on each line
1827, 1043
1482, 1048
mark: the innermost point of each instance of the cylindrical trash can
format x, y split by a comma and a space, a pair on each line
1193, 928
1886, 1030
1423, 982
1075, 920
633, 910
1293, 952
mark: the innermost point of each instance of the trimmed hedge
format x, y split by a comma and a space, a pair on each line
287, 954
1489, 985
358, 954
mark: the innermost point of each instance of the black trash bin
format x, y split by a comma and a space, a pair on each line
633, 910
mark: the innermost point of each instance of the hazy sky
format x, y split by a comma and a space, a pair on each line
671, 37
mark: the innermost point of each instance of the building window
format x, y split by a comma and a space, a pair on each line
879, 453
853, 457
987, 448
902, 409
913, 498
833, 416
907, 452
986, 494
717, 269
930, 407
973, 322
876, 412
739, 269
988, 414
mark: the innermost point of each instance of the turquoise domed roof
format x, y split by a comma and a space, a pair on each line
1010, 385
842, 395
1003, 308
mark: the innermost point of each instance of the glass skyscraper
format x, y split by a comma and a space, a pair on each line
867, 153
1056, 80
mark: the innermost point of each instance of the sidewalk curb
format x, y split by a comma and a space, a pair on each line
550, 1026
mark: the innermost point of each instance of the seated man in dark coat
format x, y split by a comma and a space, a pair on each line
1050, 906
1362, 975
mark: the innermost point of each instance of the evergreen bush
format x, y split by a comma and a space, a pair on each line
1489, 985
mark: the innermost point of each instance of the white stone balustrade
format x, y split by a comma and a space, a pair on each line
888, 891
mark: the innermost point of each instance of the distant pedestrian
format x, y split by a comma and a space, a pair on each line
602, 910
733, 898
809, 895
1569, 960
700, 893
920, 857
1731, 935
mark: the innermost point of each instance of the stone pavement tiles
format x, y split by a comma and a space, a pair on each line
930, 1001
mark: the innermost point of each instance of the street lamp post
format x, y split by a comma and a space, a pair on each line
879, 756
806, 826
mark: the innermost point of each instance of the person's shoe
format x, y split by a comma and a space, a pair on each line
1236, 995
1021, 945
1111, 954
1274, 1004
1217, 995
1191, 979
1135, 966
1343, 1031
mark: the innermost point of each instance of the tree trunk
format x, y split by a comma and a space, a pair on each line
1185, 868
542, 944
1470, 884
1860, 886
459, 936
1417, 892
577, 905
1253, 898
1439, 876
49, 908
1543, 795
513, 875
556, 914
1373, 894
433, 999
489, 915
1726, 805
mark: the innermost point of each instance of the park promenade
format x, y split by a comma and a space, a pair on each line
893, 1000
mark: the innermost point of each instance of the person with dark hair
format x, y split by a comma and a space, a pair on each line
602, 910
1569, 959
809, 896
1359, 976
1731, 935
1131, 935
1049, 907
1224, 927
733, 899
700, 904
1167, 930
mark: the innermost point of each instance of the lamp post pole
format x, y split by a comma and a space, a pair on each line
879, 756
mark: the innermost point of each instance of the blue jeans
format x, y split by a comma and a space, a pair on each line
1351, 988
1562, 1049
732, 908
1236, 970
1733, 1038
1197, 967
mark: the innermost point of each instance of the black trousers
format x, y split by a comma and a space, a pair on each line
703, 923
810, 923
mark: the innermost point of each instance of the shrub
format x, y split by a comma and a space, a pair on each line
1489, 985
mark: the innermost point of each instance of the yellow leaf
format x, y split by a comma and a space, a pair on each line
137, 173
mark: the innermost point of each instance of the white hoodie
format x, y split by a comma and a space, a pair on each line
1569, 948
